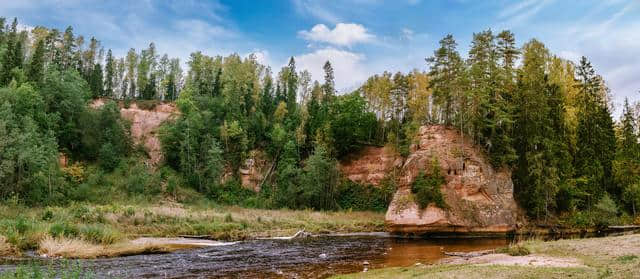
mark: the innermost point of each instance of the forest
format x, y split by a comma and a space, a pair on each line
547, 119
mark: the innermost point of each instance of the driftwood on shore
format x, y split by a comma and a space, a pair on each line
469, 254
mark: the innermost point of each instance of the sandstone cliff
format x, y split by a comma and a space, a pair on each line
370, 165
144, 125
479, 198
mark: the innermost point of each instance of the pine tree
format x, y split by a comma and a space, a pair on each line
35, 69
329, 86
628, 147
595, 137
95, 81
539, 120
446, 71
13, 56
67, 50
110, 71
292, 86
132, 63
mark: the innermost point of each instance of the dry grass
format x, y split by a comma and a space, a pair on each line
67, 231
72, 248
7, 249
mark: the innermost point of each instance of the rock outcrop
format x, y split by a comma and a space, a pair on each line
144, 125
370, 165
254, 170
479, 198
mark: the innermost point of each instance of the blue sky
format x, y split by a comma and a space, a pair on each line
359, 37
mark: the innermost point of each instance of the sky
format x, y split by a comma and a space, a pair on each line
359, 37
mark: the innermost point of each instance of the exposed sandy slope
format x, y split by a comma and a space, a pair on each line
144, 125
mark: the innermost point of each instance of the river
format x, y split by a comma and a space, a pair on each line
315, 257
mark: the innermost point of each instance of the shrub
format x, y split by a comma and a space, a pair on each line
426, 188
130, 211
100, 234
231, 192
627, 258
63, 229
514, 250
356, 196
47, 215
147, 104
108, 157
606, 211
75, 173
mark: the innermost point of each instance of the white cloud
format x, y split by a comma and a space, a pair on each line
349, 68
344, 34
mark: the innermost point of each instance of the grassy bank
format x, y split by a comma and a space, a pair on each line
106, 229
608, 257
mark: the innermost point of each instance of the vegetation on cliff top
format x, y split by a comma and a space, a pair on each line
547, 119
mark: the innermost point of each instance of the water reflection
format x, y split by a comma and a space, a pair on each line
310, 258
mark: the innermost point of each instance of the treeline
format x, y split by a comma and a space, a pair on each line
44, 113
547, 119
145, 75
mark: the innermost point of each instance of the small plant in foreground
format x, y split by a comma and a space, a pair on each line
514, 250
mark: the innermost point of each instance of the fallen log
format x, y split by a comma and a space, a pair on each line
469, 254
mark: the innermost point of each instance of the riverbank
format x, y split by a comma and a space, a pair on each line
90, 231
610, 257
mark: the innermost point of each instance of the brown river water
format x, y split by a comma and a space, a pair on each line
315, 257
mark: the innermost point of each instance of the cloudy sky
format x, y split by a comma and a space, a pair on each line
359, 37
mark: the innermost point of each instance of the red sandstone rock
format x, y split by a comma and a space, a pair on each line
479, 198
144, 124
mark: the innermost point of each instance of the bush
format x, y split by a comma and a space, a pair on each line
100, 234
63, 229
514, 250
231, 192
356, 196
147, 104
426, 188
605, 211
108, 157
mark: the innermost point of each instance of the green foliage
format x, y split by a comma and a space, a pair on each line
596, 138
232, 193
426, 187
355, 196
99, 234
514, 250
627, 258
63, 229
606, 211
320, 180
631, 195
28, 151
351, 124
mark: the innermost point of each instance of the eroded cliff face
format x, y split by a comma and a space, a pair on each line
370, 165
479, 198
254, 170
144, 126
